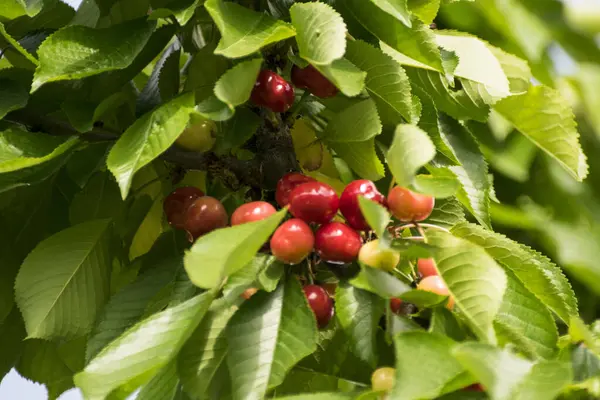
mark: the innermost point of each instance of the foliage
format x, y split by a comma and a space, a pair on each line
476, 110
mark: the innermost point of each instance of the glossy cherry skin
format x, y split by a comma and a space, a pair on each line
272, 91
293, 241
408, 206
350, 207
251, 212
372, 255
204, 215
436, 284
314, 202
177, 203
395, 305
383, 379
337, 242
320, 303
311, 79
426, 267
286, 184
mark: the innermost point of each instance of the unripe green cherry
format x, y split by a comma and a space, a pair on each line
383, 379
200, 134
372, 255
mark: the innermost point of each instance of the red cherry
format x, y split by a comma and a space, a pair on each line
177, 203
272, 91
407, 205
320, 303
436, 284
311, 79
314, 202
426, 267
349, 202
250, 212
286, 184
293, 241
395, 305
476, 387
337, 242
249, 293
204, 215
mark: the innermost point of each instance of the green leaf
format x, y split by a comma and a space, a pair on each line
148, 231
546, 119
425, 10
425, 367
99, 199
417, 42
396, 8
147, 138
244, 31
128, 305
423, 299
475, 281
264, 271
411, 149
507, 376
516, 70
12, 335
75, 52
542, 277
162, 386
64, 282
345, 76
440, 184
224, 251
379, 282
446, 323
143, 349
386, 82
357, 123
362, 158
358, 312
447, 213
13, 94
237, 131
268, 335
318, 396
204, 71
235, 86
214, 109
376, 215
205, 351
41, 362
321, 32
527, 317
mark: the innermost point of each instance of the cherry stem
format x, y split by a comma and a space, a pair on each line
298, 107
421, 232
417, 225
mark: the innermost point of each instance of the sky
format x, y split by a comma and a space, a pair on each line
13, 386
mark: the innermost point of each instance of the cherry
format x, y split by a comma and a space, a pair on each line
249, 293
200, 135
314, 202
349, 202
407, 205
383, 379
395, 305
293, 241
204, 215
320, 303
373, 256
311, 79
272, 91
250, 212
476, 387
337, 242
436, 284
177, 203
286, 184
426, 267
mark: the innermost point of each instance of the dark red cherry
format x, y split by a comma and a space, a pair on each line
320, 303
293, 241
314, 202
311, 79
272, 91
476, 387
349, 202
395, 305
286, 184
204, 215
177, 203
408, 206
250, 212
337, 242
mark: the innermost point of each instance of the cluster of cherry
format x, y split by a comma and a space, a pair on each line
314, 206
271, 90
